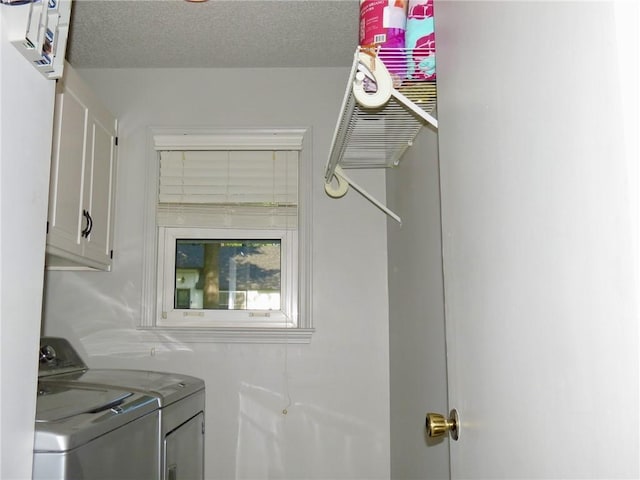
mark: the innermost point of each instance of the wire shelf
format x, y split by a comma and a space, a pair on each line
377, 137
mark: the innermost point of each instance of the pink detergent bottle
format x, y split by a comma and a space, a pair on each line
383, 24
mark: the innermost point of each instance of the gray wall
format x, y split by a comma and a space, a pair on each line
416, 312
337, 425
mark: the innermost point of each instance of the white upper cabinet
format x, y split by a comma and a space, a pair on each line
82, 186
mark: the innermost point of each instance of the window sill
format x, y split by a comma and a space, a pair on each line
228, 335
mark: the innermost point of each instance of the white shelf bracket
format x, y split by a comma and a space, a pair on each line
427, 117
343, 186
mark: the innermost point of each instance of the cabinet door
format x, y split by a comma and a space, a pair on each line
82, 186
67, 173
99, 183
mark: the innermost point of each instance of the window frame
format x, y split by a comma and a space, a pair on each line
158, 139
286, 317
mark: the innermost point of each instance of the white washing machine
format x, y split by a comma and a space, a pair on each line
94, 433
179, 401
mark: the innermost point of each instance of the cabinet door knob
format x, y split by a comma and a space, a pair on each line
90, 225
85, 230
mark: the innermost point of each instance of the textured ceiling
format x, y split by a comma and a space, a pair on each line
216, 33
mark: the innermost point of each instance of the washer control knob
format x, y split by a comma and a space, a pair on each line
47, 354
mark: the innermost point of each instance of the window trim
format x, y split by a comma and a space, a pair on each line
160, 138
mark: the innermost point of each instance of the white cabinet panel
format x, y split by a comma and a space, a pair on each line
81, 197
65, 191
98, 195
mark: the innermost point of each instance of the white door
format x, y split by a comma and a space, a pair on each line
539, 214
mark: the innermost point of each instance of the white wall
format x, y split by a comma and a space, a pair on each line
26, 118
416, 313
338, 423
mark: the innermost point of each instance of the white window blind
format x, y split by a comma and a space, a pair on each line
236, 188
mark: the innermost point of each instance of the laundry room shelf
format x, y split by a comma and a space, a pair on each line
45, 41
379, 119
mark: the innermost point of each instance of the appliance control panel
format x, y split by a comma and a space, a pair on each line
57, 356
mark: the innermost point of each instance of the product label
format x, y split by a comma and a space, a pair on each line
382, 22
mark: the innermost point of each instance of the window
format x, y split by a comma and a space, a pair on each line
230, 233
227, 277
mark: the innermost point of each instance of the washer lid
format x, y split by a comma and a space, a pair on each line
166, 387
59, 402
68, 416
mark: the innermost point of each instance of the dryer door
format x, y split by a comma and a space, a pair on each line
184, 450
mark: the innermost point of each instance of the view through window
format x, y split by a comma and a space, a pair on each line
228, 274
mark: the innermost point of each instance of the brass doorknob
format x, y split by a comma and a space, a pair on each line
438, 426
